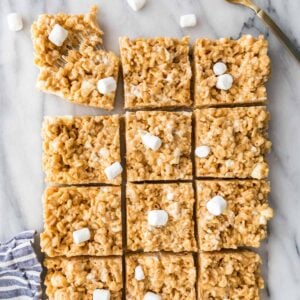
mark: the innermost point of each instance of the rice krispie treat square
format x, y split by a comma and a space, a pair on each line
157, 72
78, 150
160, 217
96, 210
229, 275
232, 142
158, 145
245, 59
243, 220
80, 278
73, 69
77, 77
166, 275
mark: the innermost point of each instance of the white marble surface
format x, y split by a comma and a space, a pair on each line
22, 108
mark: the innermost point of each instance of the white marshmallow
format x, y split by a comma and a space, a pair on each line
229, 163
113, 170
258, 172
81, 235
224, 82
106, 85
189, 20
157, 217
151, 296
151, 141
216, 205
139, 273
58, 35
101, 294
202, 151
14, 21
170, 196
136, 4
219, 68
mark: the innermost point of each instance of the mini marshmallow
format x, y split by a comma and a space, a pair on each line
136, 4
224, 82
139, 273
151, 296
216, 205
113, 170
58, 35
101, 294
157, 217
170, 196
219, 68
151, 141
14, 21
106, 85
202, 151
229, 163
188, 21
81, 235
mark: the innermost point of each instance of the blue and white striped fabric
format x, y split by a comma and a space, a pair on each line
20, 270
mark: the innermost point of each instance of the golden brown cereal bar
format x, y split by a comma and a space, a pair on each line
177, 199
237, 139
244, 221
167, 275
246, 60
156, 72
67, 209
77, 150
77, 277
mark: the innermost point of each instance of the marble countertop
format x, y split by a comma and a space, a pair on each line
22, 108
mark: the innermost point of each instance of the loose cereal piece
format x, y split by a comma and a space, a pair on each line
77, 150
83, 32
247, 62
177, 234
238, 142
69, 209
156, 72
76, 80
244, 221
166, 275
229, 275
171, 160
78, 278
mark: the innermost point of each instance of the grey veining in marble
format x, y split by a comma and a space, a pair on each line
22, 108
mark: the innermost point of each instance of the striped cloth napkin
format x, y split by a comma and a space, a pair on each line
20, 269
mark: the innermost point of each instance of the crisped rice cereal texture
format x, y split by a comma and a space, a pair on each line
247, 62
168, 275
83, 32
238, 142
229, 275
76, 278
177, 199
173, 159
73, 70
67, 209
243, 223
157, 72
76, 79
76, 150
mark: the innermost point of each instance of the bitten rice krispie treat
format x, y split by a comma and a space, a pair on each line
158, 145
230, 71
229, 275
80, 150
168, 276
71, 62
82, 221
157, 72
83, 278
232, 214
232, 142
160, 217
